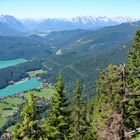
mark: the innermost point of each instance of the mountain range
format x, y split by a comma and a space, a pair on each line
76, 54
12, 26
86, 22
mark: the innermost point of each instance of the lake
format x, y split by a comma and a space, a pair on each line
8, 63
21, 86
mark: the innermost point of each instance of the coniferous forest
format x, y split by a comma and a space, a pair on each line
113, 112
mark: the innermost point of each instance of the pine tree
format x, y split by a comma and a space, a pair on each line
29, 128
59, 116
132, 107
79, 114
133, 66
89, 108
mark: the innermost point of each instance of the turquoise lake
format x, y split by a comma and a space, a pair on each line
20, 87
8, 63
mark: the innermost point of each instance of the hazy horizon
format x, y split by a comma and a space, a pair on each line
41, 9
68, 18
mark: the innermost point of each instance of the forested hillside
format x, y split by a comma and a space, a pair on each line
82, 52
75, 54
23, 47
112, 114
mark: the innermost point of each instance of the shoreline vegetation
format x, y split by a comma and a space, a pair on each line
13, 74
21, 81
43, 85
20, 94
31, 74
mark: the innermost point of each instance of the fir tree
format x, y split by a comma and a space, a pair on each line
59, 120
79, 114
89, 109
133, 66
29, 128
132, 107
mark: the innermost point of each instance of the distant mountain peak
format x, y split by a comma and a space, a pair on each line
58, 24
85, 22
104, 19
12, 23
7, 18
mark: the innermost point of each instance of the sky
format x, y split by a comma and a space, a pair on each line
38, 9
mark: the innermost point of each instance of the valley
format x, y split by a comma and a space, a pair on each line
82, 53
74, 54
70, 70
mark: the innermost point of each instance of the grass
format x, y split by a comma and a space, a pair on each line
9, 102
45, 92
13, 102
34, 73
6, 113
2, 122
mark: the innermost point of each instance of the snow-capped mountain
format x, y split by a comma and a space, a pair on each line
101, 20
86, 22
13, 23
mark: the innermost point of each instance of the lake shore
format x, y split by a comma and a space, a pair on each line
21, 86
21, 81
9, 63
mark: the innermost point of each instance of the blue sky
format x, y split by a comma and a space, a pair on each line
69, 8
